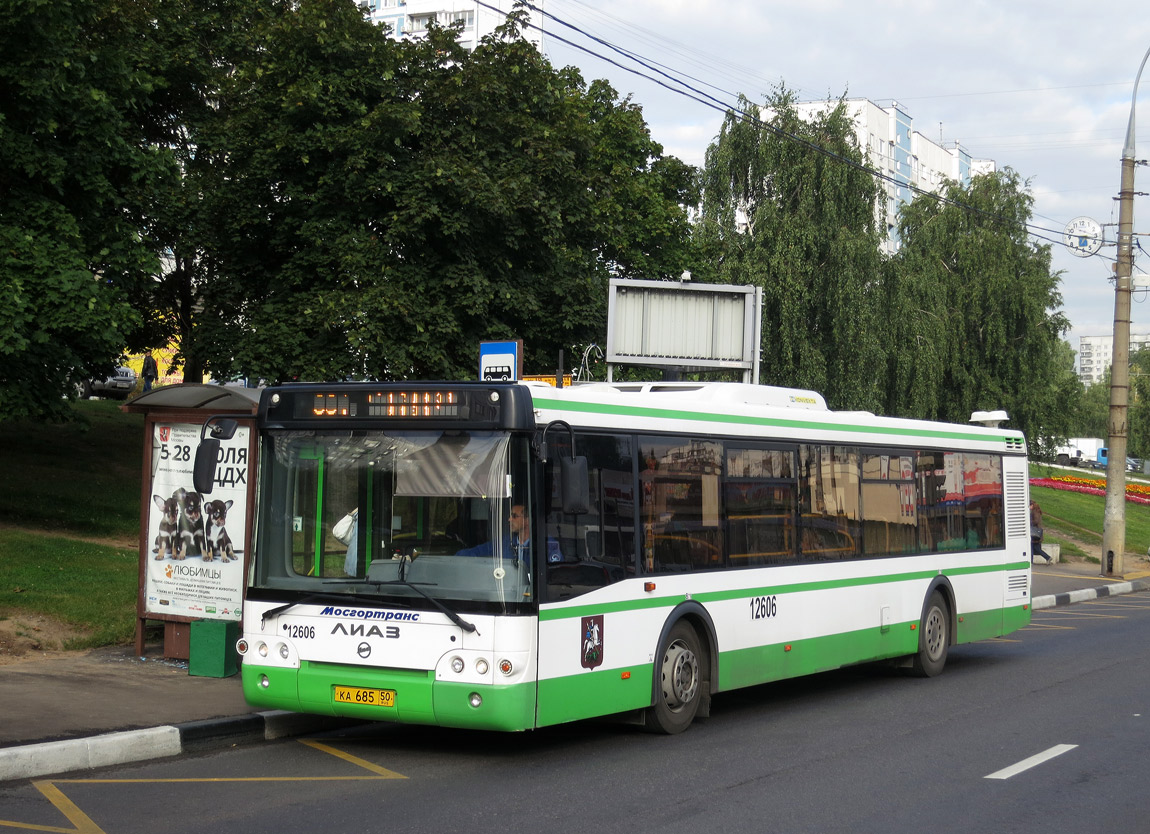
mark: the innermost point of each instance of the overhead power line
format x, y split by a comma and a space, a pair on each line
685, 86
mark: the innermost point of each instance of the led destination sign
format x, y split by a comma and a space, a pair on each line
358, 403
414, 404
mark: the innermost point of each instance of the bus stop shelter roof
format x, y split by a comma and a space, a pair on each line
198, 397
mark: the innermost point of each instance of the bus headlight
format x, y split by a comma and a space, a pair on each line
481, 666
262, 648
475, 699
457, 665
284, 651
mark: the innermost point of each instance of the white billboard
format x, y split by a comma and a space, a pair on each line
683, 324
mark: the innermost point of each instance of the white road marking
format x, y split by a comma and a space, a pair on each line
1033, 761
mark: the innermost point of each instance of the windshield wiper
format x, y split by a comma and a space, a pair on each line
451, 615
340, 598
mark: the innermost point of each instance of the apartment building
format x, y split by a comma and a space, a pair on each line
903, 154
411, 18
1096, 354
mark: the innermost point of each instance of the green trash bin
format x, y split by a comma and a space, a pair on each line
212, 653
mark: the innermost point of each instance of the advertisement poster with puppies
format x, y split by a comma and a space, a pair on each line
195, 566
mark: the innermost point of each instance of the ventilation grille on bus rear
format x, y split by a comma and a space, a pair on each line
1016, 583
1016, 444
1017, 512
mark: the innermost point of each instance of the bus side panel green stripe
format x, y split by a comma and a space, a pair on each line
604, 692
979, 625
601, 692
777, 661
608, 691
567, 612
762, 664
1015, 617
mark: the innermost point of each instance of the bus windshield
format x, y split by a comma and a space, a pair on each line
387, 514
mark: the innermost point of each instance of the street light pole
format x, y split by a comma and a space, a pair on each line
1114, 521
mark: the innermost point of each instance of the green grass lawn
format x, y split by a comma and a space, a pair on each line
88, 586
81, 477
73, 479
1081, 516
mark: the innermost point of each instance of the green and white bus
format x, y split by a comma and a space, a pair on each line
510, 556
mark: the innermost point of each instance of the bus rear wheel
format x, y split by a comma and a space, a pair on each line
933, 638
679, 683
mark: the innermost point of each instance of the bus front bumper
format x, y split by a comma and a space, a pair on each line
416, 697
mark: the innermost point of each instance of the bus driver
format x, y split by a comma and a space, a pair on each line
517, 544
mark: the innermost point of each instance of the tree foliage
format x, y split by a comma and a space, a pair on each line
387, 205
290, 193
787, 206
1091, 413
975, 310
1138, 411
965, 317
75, 168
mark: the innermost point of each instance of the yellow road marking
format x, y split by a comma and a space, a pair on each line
84, 825
203, 779
355, 760
1079, 576
1090, 615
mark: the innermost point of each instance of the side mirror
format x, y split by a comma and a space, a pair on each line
208, 452
574, 485
204, 469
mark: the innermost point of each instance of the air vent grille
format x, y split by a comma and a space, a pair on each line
1017, 511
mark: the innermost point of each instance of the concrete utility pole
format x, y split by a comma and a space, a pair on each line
1114, 522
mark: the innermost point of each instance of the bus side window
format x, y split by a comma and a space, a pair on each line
759, 497
829, 502
598, 547
681, 511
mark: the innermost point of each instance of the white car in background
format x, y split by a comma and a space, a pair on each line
119, 385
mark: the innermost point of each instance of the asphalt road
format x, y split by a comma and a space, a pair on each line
860, 750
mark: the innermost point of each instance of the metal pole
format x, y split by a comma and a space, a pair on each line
1114, 521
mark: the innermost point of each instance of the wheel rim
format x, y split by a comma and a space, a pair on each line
680, 675
935, 637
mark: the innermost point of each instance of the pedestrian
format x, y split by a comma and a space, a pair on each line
1036, 532
150, 371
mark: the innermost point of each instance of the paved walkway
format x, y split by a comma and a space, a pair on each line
68, 712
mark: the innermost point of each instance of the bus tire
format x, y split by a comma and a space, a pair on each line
933, 638
678, 683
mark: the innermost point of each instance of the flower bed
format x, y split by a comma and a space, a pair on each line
1137, 493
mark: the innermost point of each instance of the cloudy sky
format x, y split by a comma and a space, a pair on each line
1043, 87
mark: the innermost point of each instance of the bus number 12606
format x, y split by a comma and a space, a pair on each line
762, 607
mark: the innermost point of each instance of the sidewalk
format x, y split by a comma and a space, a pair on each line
66, 712
1065, 582
71, 712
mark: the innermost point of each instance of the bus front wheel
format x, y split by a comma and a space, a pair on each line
679, 683
933, 638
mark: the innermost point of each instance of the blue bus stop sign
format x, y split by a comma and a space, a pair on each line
500, 361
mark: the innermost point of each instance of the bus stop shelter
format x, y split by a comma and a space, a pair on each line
184, 579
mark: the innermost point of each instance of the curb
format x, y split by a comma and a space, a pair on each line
54, 757
1051, 600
